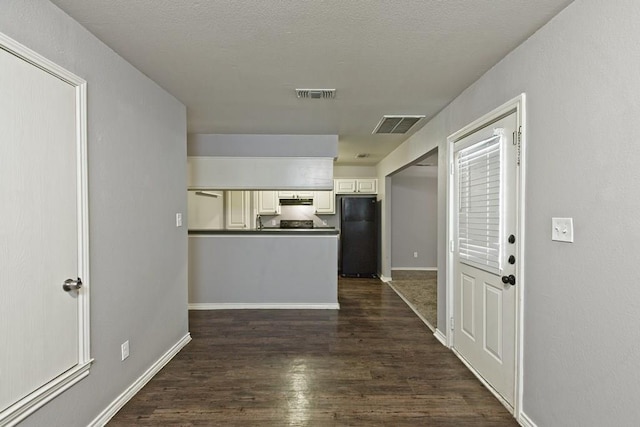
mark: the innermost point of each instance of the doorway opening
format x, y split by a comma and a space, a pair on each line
414, 237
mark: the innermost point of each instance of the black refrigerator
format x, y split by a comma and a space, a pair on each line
358, 237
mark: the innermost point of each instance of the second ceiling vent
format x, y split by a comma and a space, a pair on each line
316, 93
396, 124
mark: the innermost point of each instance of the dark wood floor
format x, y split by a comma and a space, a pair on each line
373, 363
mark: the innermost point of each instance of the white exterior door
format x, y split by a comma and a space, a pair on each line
41, 235
485, 200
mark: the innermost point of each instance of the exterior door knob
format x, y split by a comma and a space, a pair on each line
510, 279
72, 285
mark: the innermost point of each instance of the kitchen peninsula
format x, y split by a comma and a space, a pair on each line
263, 268
234, 179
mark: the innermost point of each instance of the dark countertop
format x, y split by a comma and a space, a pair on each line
318, 231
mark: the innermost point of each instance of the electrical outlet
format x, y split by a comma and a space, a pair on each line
124, 349
324, 222
273, 222
178, 220
415, 254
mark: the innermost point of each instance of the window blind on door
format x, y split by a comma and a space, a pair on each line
480, 204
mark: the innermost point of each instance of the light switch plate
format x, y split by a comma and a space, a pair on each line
562, 229
124, 349
178, 220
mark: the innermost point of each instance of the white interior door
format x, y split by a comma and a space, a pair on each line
41, 241
485, 200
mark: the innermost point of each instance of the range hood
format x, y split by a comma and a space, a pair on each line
296, 202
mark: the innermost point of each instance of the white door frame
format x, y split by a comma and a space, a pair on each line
38, 398
516, 105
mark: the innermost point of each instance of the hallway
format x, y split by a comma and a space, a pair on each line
419, 289
373, 363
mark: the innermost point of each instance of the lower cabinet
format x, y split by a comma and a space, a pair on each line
237, 209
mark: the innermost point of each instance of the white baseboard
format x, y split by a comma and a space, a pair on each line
108, 413
385, 279
415, 268
262, 306
525, 421
441, 337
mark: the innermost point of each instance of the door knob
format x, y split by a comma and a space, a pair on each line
510, 279
72, 285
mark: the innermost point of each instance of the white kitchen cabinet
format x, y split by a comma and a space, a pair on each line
295, 194
324, 202
237, 209
367, 185
344, 186
268, 203
356, 185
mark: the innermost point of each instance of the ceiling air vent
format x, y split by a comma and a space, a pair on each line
396, 124
316, 93
362, 155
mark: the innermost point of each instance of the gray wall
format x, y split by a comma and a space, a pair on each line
581, 311
262, 145
414, 225
340, 171
236, 269
137, 181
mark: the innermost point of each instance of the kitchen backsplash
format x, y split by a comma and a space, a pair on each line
294, 212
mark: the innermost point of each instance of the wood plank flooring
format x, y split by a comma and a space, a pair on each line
373, 363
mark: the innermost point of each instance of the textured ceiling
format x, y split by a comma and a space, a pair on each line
235, 63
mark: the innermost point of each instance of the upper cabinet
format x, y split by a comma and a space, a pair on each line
356, 185
237, 209
268, 203
295, 194
344, 186
324, 202
367, 185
